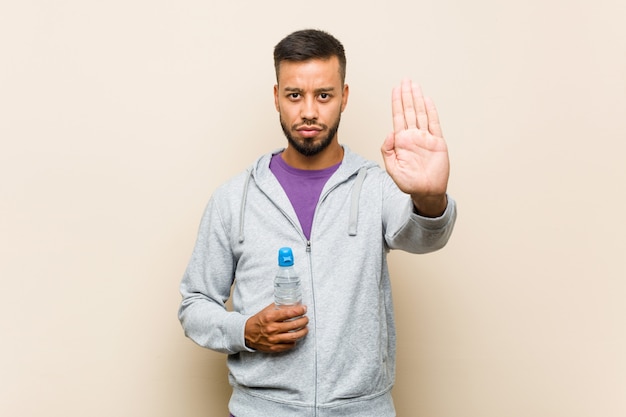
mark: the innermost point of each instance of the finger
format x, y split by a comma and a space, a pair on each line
284, 313
283, 347
290, 326
397, 111
434, 127
297, 324
420, 106
408, 104
291, 337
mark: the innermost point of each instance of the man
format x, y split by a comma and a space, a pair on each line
334, 355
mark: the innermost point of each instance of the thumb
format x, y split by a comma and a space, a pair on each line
388, 145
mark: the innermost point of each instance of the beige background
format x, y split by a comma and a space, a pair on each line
119, 118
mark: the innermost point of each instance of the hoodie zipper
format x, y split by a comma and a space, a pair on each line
315, 375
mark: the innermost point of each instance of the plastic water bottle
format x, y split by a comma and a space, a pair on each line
287, 290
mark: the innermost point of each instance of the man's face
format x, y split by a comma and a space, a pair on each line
310, 97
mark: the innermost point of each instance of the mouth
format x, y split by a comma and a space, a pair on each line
309, 131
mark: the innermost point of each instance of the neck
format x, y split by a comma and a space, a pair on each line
330, 156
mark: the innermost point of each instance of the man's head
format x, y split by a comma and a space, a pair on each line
310, 93
308, 44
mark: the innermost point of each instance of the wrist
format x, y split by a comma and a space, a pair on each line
431, 206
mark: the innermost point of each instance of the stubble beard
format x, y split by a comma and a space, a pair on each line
310, 147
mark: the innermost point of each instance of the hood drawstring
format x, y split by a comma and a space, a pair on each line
243, 206
354, 201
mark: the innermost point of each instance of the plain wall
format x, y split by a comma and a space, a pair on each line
119, 118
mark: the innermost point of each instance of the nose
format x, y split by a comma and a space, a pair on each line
308, 111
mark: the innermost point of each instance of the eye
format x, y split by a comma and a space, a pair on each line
294, 96
324, 96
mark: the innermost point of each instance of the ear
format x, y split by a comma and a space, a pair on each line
344, 97
276, 97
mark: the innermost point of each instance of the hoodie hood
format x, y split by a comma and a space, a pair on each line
351, 165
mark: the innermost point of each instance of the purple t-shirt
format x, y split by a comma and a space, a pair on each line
303, 187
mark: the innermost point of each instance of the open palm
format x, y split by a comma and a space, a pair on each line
415, 153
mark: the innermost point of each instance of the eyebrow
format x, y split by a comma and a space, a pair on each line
317, 90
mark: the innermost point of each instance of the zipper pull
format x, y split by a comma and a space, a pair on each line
308, 246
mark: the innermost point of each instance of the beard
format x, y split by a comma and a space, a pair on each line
311, 147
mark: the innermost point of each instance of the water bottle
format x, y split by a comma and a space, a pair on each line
287, 290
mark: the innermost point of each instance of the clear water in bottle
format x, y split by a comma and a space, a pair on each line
287, 291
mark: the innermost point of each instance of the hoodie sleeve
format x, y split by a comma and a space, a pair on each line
407, 230
206, 286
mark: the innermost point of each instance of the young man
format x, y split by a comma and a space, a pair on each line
334, 355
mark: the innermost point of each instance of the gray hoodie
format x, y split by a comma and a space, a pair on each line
345, 366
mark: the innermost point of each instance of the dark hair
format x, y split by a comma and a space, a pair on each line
307, 44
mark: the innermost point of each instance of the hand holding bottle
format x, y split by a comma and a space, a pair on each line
280, 325
275, 330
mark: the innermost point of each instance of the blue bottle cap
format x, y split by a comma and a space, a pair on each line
285, 257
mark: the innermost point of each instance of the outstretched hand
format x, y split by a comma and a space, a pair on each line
415, 153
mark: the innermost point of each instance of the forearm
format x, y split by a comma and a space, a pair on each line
211, 326
421, 234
